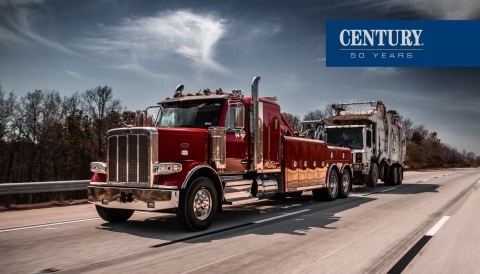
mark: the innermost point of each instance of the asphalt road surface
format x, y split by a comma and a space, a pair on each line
375, 230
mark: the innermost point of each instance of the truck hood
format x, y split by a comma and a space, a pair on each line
182, 144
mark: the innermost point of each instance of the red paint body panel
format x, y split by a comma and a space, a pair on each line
177, 179
170, 140
313, 158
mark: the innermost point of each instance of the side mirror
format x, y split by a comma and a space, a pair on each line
239, 117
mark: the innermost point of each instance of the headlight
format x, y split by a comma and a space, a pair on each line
98, 167
166, 168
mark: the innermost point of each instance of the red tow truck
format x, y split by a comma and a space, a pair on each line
207, 149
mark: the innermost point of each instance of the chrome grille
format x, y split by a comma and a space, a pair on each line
128, 158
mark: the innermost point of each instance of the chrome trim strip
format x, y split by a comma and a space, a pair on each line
116, 157
127, 159
138, 159
293, 189
165, 187
193, 170
277, 170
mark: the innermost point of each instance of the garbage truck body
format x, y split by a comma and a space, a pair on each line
376, 137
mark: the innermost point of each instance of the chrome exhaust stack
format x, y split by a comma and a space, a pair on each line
256, 128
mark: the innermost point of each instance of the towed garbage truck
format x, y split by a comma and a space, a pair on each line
375, 136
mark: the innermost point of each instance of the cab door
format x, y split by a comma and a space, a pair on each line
237, 140
274, 140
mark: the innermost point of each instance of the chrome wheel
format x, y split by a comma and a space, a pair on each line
346, 183
333, 185
202, 204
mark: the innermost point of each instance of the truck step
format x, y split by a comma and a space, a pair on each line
242, 182
228, 178
241, 201
238, 192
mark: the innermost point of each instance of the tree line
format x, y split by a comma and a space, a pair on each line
46, 137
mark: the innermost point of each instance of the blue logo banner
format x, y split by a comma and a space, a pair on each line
403, 43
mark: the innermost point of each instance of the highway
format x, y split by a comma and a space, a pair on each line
375, 230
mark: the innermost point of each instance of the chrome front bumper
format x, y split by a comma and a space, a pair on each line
133, 198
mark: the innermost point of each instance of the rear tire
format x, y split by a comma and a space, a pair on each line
400, 175
392, 176
198, 205
330, 193
114, 215
345, 182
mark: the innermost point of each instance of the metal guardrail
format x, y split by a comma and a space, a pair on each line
8, 190
39, 187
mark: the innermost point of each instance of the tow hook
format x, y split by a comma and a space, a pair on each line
126, 198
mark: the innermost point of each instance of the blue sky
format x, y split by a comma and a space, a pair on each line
144, 49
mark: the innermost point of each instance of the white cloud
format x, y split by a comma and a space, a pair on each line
20, 19
74, 74
140, 70
457, 9
19, 2
183, 33
265, 29
384, 71
439, 9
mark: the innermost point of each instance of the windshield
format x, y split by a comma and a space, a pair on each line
195, 114
346, 137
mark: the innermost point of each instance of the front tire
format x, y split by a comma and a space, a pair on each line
198, 205
372, 178
344, 189
114, 215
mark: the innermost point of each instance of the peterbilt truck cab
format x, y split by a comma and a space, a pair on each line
203, 150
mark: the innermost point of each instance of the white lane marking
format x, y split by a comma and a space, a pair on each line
388, 189
214, 262
437, 226
50, 224
58, 223
281, 216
